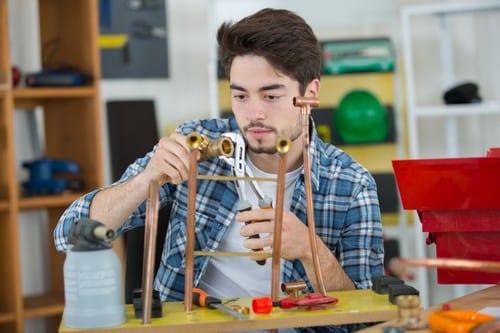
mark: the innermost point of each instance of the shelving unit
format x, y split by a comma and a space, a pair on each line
72, 131
446, 73
441, 19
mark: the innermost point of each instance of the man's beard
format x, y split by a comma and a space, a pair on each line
294, 134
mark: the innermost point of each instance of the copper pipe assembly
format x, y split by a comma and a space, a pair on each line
283, 146
305, 104
150, 231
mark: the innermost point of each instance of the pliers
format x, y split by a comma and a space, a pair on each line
240, 169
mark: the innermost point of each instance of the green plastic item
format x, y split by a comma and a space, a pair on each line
361, 118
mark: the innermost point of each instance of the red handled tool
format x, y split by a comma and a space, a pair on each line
308, 302
201, 298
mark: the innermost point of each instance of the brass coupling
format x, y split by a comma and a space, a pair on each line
222, 146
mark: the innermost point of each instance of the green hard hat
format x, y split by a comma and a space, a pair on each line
361, 118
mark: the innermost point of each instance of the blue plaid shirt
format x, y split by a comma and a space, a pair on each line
346, 213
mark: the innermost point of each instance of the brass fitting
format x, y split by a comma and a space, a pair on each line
283, 145
222, 146
293, 288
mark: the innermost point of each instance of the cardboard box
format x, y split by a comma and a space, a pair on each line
458, 203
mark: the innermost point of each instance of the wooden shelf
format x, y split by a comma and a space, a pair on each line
48, 201
46, 92
43, 305
7, 317
4, 206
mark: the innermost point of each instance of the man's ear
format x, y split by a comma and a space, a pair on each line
313, 88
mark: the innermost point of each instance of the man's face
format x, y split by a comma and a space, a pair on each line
262, 101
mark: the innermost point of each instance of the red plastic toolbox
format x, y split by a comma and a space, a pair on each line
458, 203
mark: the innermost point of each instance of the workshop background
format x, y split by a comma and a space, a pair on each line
188, 86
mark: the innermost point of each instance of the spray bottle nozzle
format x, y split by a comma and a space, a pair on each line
87, 234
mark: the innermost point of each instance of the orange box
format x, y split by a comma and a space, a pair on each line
458, 203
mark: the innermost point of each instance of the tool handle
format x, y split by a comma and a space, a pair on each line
201, 298
245, 206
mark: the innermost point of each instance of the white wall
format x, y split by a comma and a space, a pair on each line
189, 92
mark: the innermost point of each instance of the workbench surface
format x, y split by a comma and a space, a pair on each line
356, 306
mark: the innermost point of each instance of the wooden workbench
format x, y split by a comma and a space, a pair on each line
356, 306
488, 297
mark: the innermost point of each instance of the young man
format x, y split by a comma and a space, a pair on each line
269, 57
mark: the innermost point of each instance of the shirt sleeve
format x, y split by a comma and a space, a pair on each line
78, 210
361, 250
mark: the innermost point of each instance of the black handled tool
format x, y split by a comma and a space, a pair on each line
201, 298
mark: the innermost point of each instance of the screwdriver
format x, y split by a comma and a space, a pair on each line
201, 298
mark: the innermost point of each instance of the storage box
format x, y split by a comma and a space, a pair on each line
458, 203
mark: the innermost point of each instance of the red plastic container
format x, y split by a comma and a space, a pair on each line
458, 203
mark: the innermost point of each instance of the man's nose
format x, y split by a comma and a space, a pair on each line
255, 110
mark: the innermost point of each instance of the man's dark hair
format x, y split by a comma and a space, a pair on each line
282, 37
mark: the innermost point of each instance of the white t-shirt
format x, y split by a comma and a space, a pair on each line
230, 277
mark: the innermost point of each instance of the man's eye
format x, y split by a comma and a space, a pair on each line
239, 97
273, 97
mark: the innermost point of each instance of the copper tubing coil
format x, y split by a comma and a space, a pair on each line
456, 264
282, 146
305, 104
191, 207
151, 227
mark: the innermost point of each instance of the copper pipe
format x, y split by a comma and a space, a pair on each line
305, 104
456, 264
282, 146
188, 278
225, 178
255, 255
151, 226
222, 146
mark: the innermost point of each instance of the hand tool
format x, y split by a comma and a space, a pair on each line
308, 302
245, 205
201, 298
457, 320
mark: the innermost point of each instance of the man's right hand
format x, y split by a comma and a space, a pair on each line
170, 161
